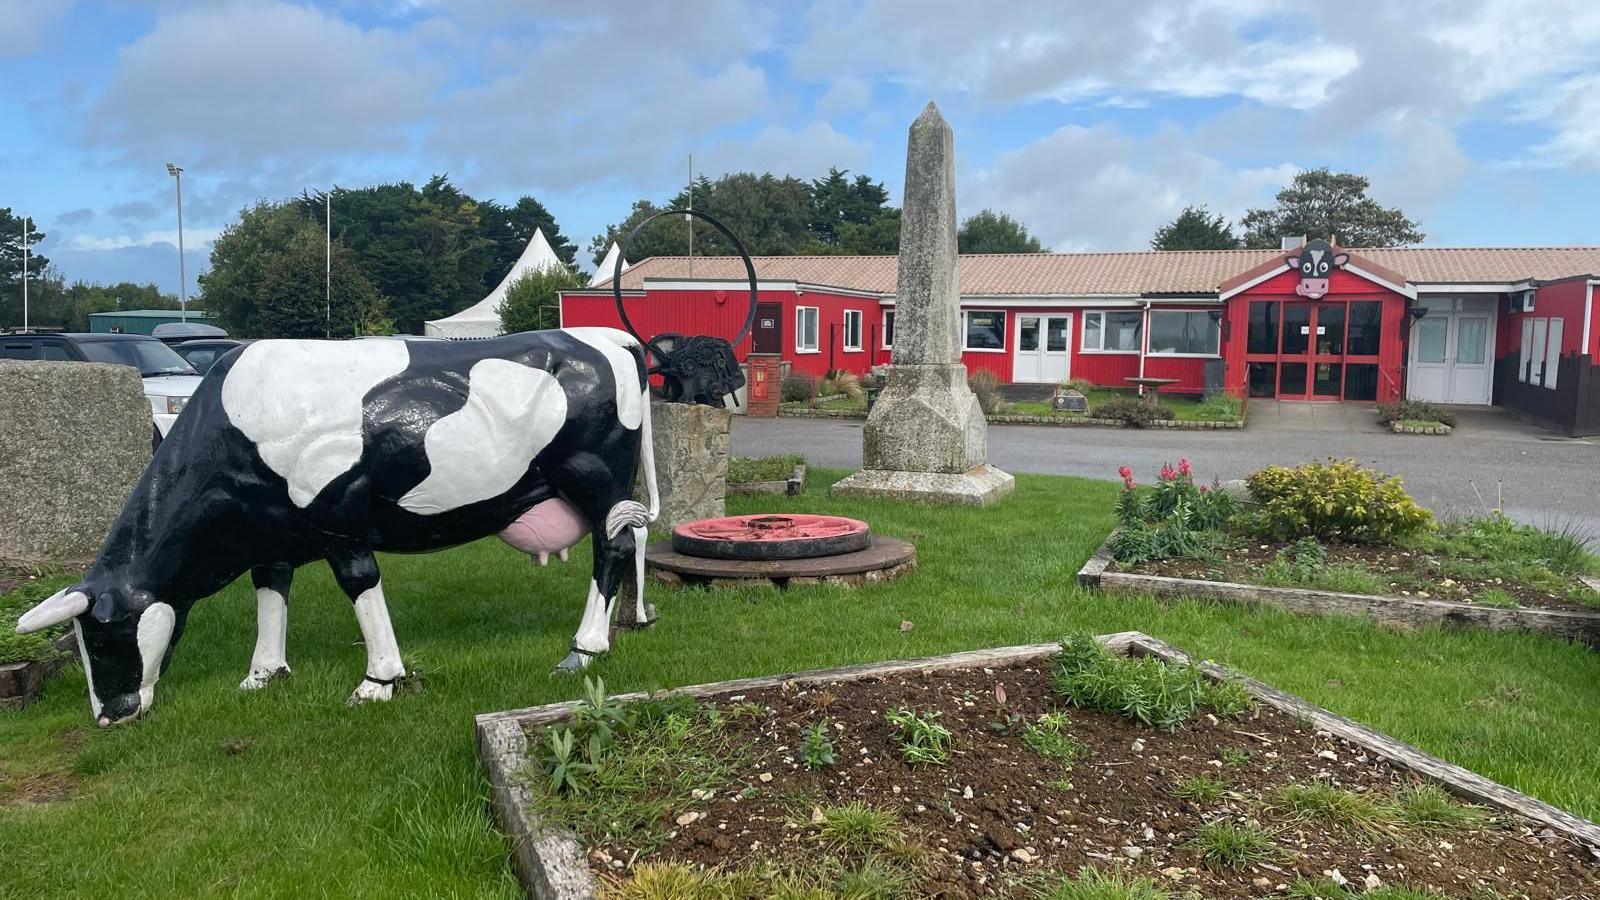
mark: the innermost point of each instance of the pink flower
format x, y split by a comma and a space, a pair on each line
1205, 488
1126, 472
1183, 467
1167, 474
1128, 482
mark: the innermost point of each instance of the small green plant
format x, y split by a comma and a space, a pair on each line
746, 710
1225, 843
871, 879
797, 388
561, 762
857, 827
1147, 689
1234, 757
1103, 884
1414, 411
1428, 807
985, 385
840, 381
1131, 411
1336, 499
1200, 788
1334, 806
923, 741
816, 749
659, 881
1496, 597
1008, 719
1048, 737
1172, 519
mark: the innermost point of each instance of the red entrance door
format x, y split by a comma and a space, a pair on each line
1314, 351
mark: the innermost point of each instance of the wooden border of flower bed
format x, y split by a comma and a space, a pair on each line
552, 865
794, 485
1583, 627
20, 682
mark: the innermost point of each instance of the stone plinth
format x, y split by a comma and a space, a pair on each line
979, 486
74, 438
691, 450
925, 420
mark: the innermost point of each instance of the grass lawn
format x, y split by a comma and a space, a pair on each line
287, 793
839, 402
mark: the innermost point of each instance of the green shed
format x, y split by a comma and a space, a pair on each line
141, 321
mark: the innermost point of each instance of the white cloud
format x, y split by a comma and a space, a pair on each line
844, 96
193, 238
1573, 111
22, 22
234, 85
1094, 188
806, 153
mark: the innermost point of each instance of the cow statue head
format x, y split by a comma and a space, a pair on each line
1315, 259
696, 369
125, 638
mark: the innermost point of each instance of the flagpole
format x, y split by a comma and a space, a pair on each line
24, 274
327, 265
688, 219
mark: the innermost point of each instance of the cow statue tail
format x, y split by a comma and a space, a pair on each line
647, 458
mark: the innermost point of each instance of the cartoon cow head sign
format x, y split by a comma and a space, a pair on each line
1315, 259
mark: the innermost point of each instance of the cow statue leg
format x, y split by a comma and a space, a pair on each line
270, 659
642, 615
615, 545
357, 573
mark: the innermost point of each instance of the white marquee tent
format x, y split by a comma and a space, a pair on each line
603, 273
482, 319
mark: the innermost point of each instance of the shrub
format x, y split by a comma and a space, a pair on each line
747, 469
1336, 499
816, 749
985, 386
1414, 410
1081, 385
1220, 408
1130, 411
1089, 676
841, 382
1170, 519
798, 388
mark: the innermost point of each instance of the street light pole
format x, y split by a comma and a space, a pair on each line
183, 288
327, 265
24, 274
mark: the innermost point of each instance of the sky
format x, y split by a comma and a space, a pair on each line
1092, 122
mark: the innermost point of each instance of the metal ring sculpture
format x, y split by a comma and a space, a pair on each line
678, 359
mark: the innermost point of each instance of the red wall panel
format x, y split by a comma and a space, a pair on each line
1562, 300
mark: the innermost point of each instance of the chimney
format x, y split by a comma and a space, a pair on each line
1292, 242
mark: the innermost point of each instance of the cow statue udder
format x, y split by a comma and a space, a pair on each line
292, 451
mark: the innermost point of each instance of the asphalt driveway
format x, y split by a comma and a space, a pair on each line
1543, 478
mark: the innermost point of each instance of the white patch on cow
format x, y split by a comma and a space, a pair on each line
154, 634
1316, 257
88, 671
512, 412
300, 402
613, 344
272, 627
594, 630
383, 651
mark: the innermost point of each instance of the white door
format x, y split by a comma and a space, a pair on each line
1042, 354
1452, 352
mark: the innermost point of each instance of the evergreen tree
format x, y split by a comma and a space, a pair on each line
1331, 205
1195, 229
992, 232
11, 269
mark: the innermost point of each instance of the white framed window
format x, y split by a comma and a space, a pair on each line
888, 329
852, 330
984, 330
805, 329
1113, 331
1540, 360
1181, 332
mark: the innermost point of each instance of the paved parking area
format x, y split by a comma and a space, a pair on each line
1539, 477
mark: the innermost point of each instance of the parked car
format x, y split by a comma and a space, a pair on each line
169, 380
203, 353
170, 333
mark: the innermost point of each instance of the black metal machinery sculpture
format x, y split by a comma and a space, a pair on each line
691, 368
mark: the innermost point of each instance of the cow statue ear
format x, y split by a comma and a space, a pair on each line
1293, 261
1340, 259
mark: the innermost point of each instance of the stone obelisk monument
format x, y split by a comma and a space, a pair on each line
926, 439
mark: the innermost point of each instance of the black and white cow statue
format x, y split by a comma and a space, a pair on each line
293, 451
1315, 259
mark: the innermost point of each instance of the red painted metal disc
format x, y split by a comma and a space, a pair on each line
771, 536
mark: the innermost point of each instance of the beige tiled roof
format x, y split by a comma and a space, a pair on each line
1106, 274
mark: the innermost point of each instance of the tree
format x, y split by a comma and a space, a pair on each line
511, 228
267, 280
532, 303
11, 267
992, 232
1195, 229
1330, 205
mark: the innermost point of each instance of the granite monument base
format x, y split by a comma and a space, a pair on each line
979, 486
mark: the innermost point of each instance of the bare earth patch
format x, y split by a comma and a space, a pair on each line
1000, 819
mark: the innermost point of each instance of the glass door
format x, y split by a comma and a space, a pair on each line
1327, 352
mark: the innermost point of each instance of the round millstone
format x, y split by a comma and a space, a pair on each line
883, 559
771, 536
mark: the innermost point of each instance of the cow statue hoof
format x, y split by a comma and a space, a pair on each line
574, 662
369, 691
258, 680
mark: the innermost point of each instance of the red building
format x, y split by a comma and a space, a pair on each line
1452, 325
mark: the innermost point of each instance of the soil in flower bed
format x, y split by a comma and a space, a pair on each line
1381, 570
1256, 805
